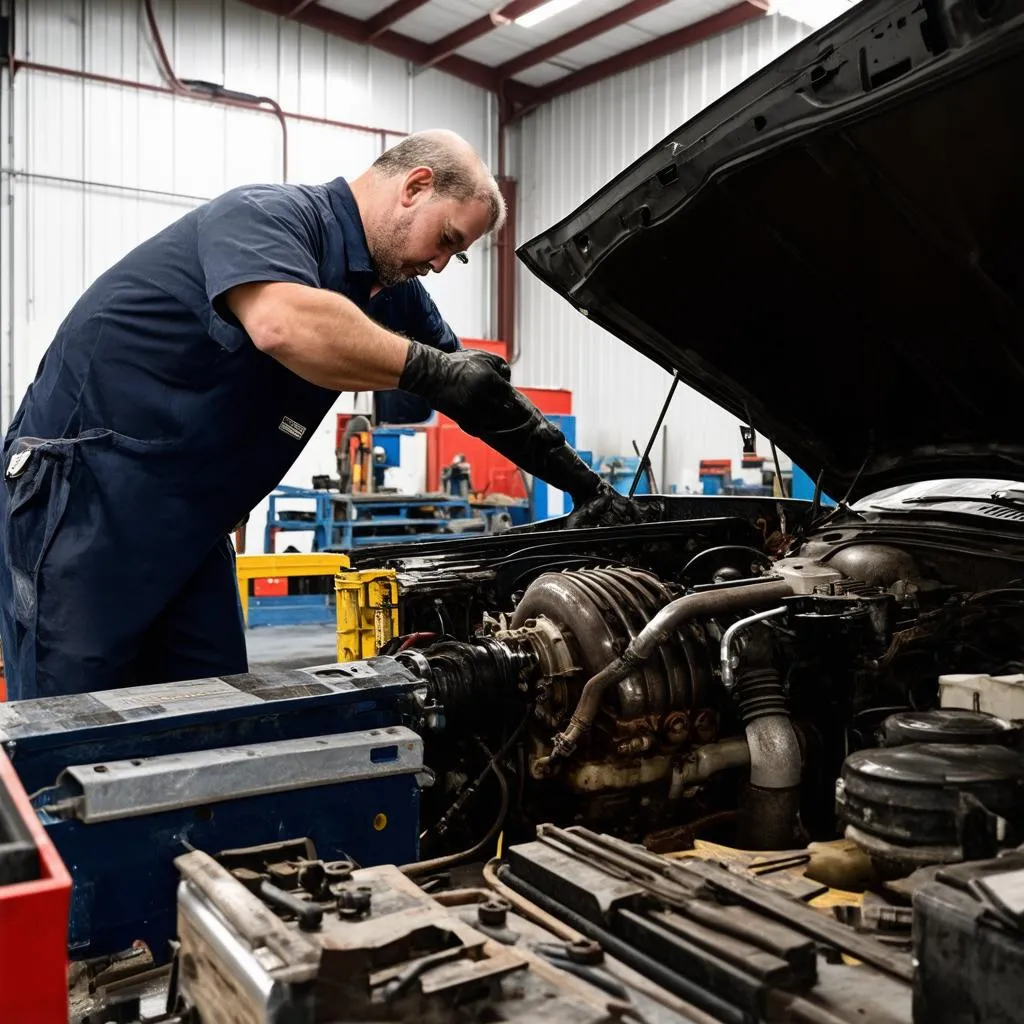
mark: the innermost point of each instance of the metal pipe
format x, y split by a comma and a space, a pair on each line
702, 604
774, 752
60, 179
728, 659
163, 90
707, 760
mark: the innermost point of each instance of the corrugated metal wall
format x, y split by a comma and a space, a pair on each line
566, 151
92, 169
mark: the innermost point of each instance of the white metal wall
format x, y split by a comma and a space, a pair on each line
566, 151
90, 170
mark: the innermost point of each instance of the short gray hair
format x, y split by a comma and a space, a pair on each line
459, 173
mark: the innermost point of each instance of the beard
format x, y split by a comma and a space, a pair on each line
386, 252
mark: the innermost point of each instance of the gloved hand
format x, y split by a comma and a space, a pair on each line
608, 508
473, 389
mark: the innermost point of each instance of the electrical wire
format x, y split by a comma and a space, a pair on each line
426, 867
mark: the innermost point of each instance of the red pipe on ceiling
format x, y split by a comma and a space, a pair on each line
163, 90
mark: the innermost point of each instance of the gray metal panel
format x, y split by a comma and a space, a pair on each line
112, 790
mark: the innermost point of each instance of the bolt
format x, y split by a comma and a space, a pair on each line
493, 913
338, 871
354, 902
585, 951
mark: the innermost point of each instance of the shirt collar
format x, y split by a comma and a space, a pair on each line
343, 203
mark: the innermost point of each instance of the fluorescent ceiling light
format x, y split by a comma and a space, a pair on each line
545, 11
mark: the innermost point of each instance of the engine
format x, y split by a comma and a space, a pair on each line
716, 696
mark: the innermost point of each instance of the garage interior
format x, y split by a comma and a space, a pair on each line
753, 753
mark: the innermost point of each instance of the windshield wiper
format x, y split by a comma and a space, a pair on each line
1004, 499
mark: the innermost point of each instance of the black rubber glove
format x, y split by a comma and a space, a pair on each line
609, 508
473, 389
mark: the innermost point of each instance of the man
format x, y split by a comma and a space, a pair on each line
187, 379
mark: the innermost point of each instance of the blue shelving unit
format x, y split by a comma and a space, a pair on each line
343, 522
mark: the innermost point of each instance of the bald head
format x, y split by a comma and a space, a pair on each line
458, 171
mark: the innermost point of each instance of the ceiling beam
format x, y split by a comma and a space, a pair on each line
392, 13
398, 45
477, 28
730, 18
574, 37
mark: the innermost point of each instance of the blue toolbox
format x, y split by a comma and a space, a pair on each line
126, 780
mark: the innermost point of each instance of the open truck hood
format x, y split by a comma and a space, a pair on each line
834, 251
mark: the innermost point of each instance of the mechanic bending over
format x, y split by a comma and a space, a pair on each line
186, 380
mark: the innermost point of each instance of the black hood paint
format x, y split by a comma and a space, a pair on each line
834, 251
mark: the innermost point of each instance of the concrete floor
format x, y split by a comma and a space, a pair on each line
285, 647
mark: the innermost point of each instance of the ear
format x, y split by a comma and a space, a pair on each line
417, 185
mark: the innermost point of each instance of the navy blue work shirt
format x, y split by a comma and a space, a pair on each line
157, 424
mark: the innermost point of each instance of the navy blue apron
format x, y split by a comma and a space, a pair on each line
153, 426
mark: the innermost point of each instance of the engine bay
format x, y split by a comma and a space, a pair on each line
707, 677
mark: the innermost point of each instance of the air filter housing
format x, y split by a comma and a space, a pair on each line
932, 803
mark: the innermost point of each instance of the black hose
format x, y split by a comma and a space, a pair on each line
426, 867
469, 790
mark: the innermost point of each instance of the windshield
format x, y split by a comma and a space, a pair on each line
956, 495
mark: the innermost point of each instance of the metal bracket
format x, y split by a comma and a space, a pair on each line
111, 790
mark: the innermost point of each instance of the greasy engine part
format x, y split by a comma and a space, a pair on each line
650, 725
648, 714
399, 955
653, 636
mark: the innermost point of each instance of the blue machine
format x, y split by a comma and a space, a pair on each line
126, 780
342, 522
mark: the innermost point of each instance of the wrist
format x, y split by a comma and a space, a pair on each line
420, 369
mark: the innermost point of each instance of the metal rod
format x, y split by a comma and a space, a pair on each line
654, 433
728, 662
58, 179
645, 465
163, 90
778, 470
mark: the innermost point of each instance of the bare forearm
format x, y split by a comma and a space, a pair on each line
320, 335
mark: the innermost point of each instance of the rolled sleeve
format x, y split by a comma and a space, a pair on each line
262, 233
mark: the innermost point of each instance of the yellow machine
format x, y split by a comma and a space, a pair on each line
366, 600
367, 606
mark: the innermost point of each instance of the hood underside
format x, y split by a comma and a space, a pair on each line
834, 252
